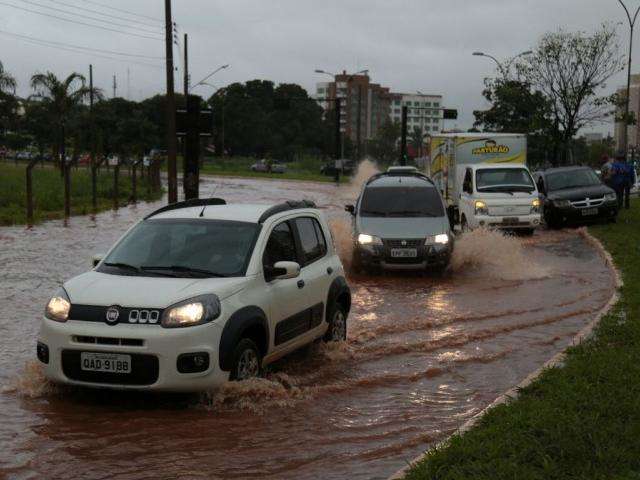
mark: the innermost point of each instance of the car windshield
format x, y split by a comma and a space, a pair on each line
504, 180
401, 202
184, 248
583, 177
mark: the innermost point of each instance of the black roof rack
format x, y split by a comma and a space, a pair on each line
283, 207
399, 174
194, 202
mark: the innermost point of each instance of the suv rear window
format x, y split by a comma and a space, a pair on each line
401, 202
312, 239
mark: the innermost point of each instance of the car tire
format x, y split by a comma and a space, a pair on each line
464, 225
247, 361
552, 221
527, 232
337, 331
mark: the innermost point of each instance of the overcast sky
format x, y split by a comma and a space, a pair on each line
407, 45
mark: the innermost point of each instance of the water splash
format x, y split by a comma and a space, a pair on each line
31, 383
496, 255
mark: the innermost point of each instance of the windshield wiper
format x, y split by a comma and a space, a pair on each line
124, 266
182, 269
411, 213
495, 189
373, 212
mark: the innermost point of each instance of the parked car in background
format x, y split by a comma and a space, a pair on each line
268, 166
400, 223
574, 195
346, 167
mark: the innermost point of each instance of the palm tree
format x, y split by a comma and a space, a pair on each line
7, 82
60, 98
417, 139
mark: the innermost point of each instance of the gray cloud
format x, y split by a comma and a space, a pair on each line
408, 45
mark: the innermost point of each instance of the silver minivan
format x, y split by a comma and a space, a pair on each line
400, 222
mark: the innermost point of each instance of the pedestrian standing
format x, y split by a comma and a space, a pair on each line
618, 175
630, 180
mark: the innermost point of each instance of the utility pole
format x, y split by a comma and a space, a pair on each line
186, 68
171, 107
403, 138
92, 136
115, 86
128, 84
338, 139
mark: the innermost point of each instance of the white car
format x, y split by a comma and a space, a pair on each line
195, 294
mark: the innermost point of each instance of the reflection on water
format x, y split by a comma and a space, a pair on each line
423, 355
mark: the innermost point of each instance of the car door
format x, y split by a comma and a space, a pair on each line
316, 272
288, 302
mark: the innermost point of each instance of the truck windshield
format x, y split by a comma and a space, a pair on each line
582, 177
401, 202
504, 180
183, 248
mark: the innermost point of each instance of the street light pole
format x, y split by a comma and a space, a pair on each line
632, 22
171, 108
503, 71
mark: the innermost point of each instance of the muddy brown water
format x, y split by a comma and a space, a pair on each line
423, 355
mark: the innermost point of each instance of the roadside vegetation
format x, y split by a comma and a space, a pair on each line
578, 421
304, 169
49, 193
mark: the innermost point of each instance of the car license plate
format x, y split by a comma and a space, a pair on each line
105, 362
510, 220
589, 211
404, 252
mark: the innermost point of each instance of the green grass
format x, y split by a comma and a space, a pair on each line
581, 420
49, 192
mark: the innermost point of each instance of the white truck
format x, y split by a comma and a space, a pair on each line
485, 181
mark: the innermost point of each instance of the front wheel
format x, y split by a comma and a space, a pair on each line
337, 331
464, 225
247, 360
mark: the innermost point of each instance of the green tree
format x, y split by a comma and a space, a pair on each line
384, 147
570, 70
416, 139
60, 98
7, 82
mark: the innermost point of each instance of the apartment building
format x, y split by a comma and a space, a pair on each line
633, 131
423, 111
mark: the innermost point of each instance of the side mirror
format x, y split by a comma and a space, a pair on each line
350, 208
282, 270
97, 258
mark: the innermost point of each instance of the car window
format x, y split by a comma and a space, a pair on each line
584, 177
312, 241
468, 188
401, 202
280, 246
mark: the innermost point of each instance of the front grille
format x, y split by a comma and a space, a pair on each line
588, 202
126, 315
403, 243
144, 370
126, 342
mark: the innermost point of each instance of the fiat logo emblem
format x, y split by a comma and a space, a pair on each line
404, 243
112, 315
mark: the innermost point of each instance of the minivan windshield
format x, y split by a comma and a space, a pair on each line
580, 177
184, 248
504, 180
401, 202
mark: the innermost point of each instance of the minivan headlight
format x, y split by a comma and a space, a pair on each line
562, 203
440, 239
481, 208
366, 239
58, 307
190, 312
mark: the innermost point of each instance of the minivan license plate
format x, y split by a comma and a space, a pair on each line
589, 211
105, 362
404, 252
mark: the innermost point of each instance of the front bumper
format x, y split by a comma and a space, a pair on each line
154, 355
507, 222
575, 215
379, 256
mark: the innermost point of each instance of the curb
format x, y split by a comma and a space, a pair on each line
555, 361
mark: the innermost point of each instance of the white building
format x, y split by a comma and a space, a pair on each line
423, 111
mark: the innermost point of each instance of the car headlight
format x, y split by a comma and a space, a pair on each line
561, 203
190, 312
440, 239
481, 208
610, 197
58, 307
366, 239
535, 205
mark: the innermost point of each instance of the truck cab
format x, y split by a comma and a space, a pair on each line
500, 196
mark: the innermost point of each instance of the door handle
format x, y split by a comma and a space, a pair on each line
300, 283
329, 270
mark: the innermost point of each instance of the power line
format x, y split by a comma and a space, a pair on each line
105, 14
99, 50
74, 50
108, 22
77, 22
124, 11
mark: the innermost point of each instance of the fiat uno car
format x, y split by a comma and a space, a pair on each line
400, 223
195, 294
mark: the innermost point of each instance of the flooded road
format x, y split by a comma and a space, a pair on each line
423, 355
